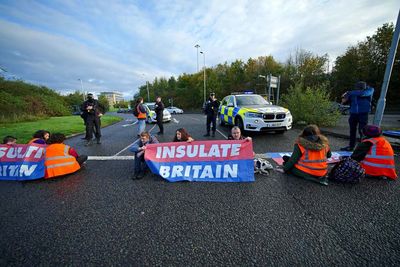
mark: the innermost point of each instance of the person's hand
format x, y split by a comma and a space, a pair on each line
248, 138
190, 139
279, 169
100, 114
89, 107
143, 147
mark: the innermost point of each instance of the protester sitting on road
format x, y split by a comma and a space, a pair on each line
40, 137
236, 134
309, 157
375, 154
9, 140
61, 159
139, 149
182, 135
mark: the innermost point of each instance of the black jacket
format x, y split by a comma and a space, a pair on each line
97, 108
159, 108
211, 108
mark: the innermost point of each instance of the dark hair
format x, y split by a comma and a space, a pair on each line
9, 138
139, 100
184, 135
57, 138
310, 130
40, 134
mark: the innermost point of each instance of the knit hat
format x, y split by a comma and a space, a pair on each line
372, 131
360, 85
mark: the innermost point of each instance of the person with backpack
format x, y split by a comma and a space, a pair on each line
309, 157
375, 154
140, 112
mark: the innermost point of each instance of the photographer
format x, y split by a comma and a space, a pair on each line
92, 111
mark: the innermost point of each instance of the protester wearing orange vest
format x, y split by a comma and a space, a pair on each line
60, 158
309, 157
375, 154
140, 110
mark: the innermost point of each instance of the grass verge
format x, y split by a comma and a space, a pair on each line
67, 125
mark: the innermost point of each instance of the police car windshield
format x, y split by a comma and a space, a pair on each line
250, 100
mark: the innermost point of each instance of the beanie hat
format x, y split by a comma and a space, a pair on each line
360, 85
372, 131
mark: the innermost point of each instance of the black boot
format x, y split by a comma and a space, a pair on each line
207, 134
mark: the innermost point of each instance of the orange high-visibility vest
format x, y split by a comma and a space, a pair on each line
313, 162
141, 114
58, 161
379, 160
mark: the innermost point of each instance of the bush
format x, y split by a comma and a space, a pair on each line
311, 105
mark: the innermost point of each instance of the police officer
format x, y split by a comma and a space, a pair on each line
159, 109
211, 110
92, 111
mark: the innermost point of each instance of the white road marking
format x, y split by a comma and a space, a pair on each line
174, 120
111, 157
133, 142
226, 137
129, 120
130, 124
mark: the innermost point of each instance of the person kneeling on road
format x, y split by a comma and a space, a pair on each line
61, 159
375, 154
139, 149
182, 135
309, 157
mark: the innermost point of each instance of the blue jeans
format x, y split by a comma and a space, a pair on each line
141, 126
361, 120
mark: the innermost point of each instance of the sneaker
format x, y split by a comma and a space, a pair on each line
347, 148
207, 134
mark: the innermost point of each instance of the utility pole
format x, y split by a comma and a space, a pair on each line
197, 54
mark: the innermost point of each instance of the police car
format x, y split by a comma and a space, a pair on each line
151, 114
252, 112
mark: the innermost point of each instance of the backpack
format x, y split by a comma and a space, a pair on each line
135, 111
347, 171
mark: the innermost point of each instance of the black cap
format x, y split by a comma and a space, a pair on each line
212, 93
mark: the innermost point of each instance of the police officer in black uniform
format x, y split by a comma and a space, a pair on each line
159, 109
211, 110
92, 111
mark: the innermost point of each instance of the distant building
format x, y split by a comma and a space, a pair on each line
113, 97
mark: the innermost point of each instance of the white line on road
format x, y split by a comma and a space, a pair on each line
133, 142
174, 120
226, 137
111, 157
130, 124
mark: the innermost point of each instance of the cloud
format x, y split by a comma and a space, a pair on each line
118, 45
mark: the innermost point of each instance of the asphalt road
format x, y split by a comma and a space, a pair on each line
99, 216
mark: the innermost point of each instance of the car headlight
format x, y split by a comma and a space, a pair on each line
253, 115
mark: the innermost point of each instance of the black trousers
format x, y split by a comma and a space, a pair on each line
355, 120
211, 119
93, 125
160, 122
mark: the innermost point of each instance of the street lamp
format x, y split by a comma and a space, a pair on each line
83, 93
197, 54
204, 67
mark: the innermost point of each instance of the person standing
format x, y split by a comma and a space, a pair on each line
93, 111
360, 105
159, 109
141, 115
211, 110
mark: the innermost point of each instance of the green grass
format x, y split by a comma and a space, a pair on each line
67, 125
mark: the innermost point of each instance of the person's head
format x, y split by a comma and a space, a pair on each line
90, 96
42, 134
310, 130
371, 131
158, 99
9, 140
236, 133
139, 100
181, 135
57, 138
212, 95
144, 137
360, 85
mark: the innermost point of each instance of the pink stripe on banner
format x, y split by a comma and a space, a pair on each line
219, 150
22, 153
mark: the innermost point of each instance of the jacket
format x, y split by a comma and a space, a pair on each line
136, 147
360, 100
58, 161
317, 144
142, 115
211, 108
159, 108
379, 160
97, 108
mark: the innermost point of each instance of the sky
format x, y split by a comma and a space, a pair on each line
96, 46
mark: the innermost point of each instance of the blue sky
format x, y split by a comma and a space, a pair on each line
118, 45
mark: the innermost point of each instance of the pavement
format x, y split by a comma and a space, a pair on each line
99, 216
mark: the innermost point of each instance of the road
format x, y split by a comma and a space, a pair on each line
99, 216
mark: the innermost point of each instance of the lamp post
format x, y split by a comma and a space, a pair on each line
204, 71
197, 54
83, 93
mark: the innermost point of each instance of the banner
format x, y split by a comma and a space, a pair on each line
206, 161
277, 157
22, 162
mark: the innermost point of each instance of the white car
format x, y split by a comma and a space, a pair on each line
174, 110
151, 114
